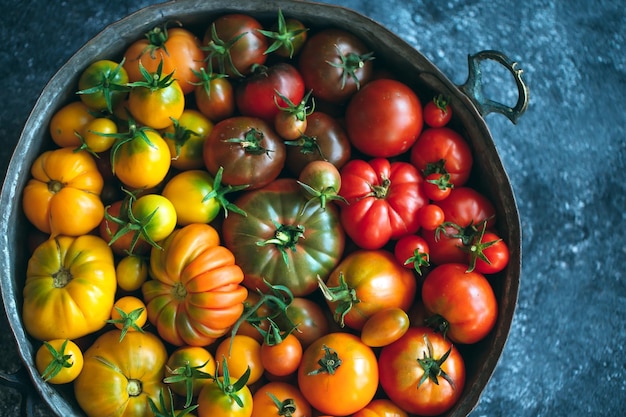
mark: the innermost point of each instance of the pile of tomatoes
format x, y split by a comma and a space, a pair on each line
256, 220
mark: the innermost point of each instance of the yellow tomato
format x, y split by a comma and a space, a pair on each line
96, 133
156, 106
142, 161
129, 314
131, 272
59, 361
185, 139
68, 120
190, 193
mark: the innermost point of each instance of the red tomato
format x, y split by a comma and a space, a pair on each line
465, 206
443, 150
422, 372
366, 282
338, 374
412, 252
310, 320
464, 301
437, 112
384, 118
430, 217
335, 64
215, 96
437, 186
383, 200
495, 252
282, 358
259, 94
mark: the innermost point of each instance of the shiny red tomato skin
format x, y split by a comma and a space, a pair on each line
384, 118
256, 96
466, 205
373, 215
498, 254
464, 299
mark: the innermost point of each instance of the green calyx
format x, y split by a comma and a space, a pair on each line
433, 367
219, 192
349, 64
128, 321
251, 142
283, 38
286, 237
342, 295
59, 361
328, 363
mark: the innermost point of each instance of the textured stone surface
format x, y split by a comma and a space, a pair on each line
565, 354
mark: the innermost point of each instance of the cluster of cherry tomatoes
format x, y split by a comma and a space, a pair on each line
257, 221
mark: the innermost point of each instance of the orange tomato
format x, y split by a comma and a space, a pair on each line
68, 120
129, 314
381, 407
63, 195
283, 358
385, 327
244, 352
275, 398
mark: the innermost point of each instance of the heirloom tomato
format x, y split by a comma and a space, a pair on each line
280, 399
263, 92
215, 96
283, 240
141, 160
384, 118
191, 194
70, 287
422, 372
383, 199
247, 149
385, 327
234, 44
445, 151
119, 376
381, 407
194, 296
338, 374
185, 139
177, 49
335, 64
241, 354
63, 195
321, 181
366, 282
309, 318
188, 369
324, 139
68, 120
59, 361
462, 304
102, 85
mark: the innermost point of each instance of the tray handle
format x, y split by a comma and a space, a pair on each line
473, 86
20, 382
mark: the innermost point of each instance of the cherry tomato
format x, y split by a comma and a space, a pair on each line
412, 252
288, 36
437, 186
59, 361
129, 314
321, 181
112, 226
282, 358
68, 120
385, 327
102, 85
157, 216
381, 407
430, 217
464, 301
494, 249
99, 135
437, 112
225, 397
189, 369
384, 118
215, 96
310, 320
131, 272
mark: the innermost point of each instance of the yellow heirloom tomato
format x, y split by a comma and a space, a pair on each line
119, 377
59, 361
63, 195
186, 138
70, 287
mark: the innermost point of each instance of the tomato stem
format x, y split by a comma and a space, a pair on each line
59, 361
251, 142
328, 363
344, 297
61, 278
286, 236
433, 367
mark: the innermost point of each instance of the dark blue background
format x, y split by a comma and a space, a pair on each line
566, 157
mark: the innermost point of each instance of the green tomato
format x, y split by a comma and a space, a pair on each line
102, 85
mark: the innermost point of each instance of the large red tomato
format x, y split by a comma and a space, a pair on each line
384, 118
383, 199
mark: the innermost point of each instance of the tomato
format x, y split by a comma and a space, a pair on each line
225, 397
268, 89
120, 238
234, 44
241, 353
119, 376
466, 205
215, 96
283, 357
178, 49
156, 100
154, 217
445, 151
422, 372
437, 112
385, 327
276, 399
384, 118
98, 135
491, 254
129, 314
338, 374
190, 193
70, 288
412, 252
464, 301
131, 272
68, 120
283, 240
185, 139
288, 36
63, 194
334, 64
189, 369
383, 199
310, 320
430, 217
141, 160
437, 186
102, 85
248, 150
324, 139
194, 295
321, 181
366, 282
381, 407
59, 361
